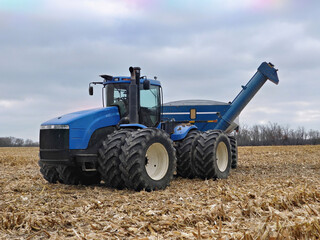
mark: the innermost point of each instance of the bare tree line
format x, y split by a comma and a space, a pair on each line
17, 142
274, 134
256, 135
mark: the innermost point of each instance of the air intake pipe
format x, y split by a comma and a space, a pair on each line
265, 71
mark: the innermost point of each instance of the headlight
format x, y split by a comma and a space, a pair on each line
54, 127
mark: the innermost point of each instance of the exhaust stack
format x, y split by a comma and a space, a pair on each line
265, 71
134, 95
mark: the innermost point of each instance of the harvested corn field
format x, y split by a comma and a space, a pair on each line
273, 194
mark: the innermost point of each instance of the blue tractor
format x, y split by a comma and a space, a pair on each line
135, 141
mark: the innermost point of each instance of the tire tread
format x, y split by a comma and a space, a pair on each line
108, 158
132, 159
204, 155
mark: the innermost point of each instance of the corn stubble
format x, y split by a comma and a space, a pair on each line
273, 194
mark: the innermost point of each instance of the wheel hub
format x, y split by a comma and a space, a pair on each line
157, 161
222, 156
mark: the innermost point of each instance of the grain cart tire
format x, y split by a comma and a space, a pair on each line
212, 155
108, 158
148, 160
49, 173
185, 149
74, 176
234, 152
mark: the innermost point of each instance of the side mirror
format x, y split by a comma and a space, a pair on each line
146, 84
90, 90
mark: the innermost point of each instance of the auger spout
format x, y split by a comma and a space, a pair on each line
265, 71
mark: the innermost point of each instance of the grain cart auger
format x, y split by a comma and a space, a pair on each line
134, 141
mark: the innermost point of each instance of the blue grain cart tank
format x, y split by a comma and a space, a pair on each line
204, 114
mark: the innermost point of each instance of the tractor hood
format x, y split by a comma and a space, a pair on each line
82, 124
99, 116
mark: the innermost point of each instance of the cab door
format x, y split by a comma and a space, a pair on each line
150, 103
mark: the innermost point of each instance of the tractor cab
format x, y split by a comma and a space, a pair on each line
122, 93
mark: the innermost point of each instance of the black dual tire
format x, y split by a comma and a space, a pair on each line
49, 173
68, 175
148, 160
185, 149
212, 155
74, 175
108, 158
234, 152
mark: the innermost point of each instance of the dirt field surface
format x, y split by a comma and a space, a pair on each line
273, 194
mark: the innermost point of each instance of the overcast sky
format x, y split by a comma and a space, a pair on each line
51, 49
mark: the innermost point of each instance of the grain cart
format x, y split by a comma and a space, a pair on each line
134, 141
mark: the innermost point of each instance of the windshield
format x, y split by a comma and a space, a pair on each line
117, 95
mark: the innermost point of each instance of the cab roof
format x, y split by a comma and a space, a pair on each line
125, 79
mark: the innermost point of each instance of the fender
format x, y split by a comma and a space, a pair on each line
181, 131
133, 125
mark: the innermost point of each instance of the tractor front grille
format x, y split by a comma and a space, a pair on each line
55, 139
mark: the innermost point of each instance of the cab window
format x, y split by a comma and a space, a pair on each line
117, 95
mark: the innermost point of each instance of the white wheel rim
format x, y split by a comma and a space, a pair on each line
222, 156
157, 161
